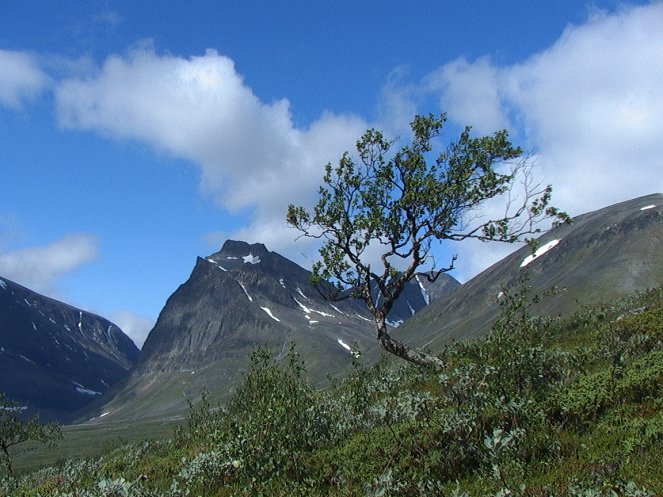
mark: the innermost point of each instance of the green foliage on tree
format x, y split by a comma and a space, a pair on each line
399, 205
15, 431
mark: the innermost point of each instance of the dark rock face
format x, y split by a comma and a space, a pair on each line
419, 293
56, 358
236, 299
244, 296
603, 255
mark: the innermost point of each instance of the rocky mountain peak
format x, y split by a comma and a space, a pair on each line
254, 257
236, 299
248, 252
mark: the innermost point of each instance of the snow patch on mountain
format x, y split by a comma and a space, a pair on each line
251, 259
217, 265
26, 359
539, 252
269, 313
338, 310
245, 291
646, 207
87, 391
3, 285
308, 311
424, 293
344, 345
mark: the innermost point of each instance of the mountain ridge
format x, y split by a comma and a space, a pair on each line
603, 255
238, 298
56, 357
244, 296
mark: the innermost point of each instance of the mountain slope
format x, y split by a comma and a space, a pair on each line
603, 255
236, 299
57, 358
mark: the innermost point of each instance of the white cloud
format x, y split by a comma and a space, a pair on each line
249, 152
398, 103
197, 109
20, 78
589, 106
39, 268
470, 93
135, 326
108, 17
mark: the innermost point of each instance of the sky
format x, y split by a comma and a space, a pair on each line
135, 136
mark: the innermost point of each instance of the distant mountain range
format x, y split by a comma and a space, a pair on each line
55, 358
235, 300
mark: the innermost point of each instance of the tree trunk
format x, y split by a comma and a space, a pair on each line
7, 460
403, 351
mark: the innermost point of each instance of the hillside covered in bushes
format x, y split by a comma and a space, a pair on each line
567, 406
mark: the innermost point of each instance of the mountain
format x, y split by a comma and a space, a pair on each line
416, 295
603, 255
236, 299
56, 358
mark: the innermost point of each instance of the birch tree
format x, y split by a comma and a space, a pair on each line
399, 204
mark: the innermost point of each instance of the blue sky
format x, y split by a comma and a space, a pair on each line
135, 136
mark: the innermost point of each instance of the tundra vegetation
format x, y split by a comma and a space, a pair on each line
380, 214
542, 406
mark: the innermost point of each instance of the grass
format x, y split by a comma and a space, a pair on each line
90, 441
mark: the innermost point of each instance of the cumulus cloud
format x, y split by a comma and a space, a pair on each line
134, 326
20, 78
470, 92
250, 154
589, 106
39, 268
398, 103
